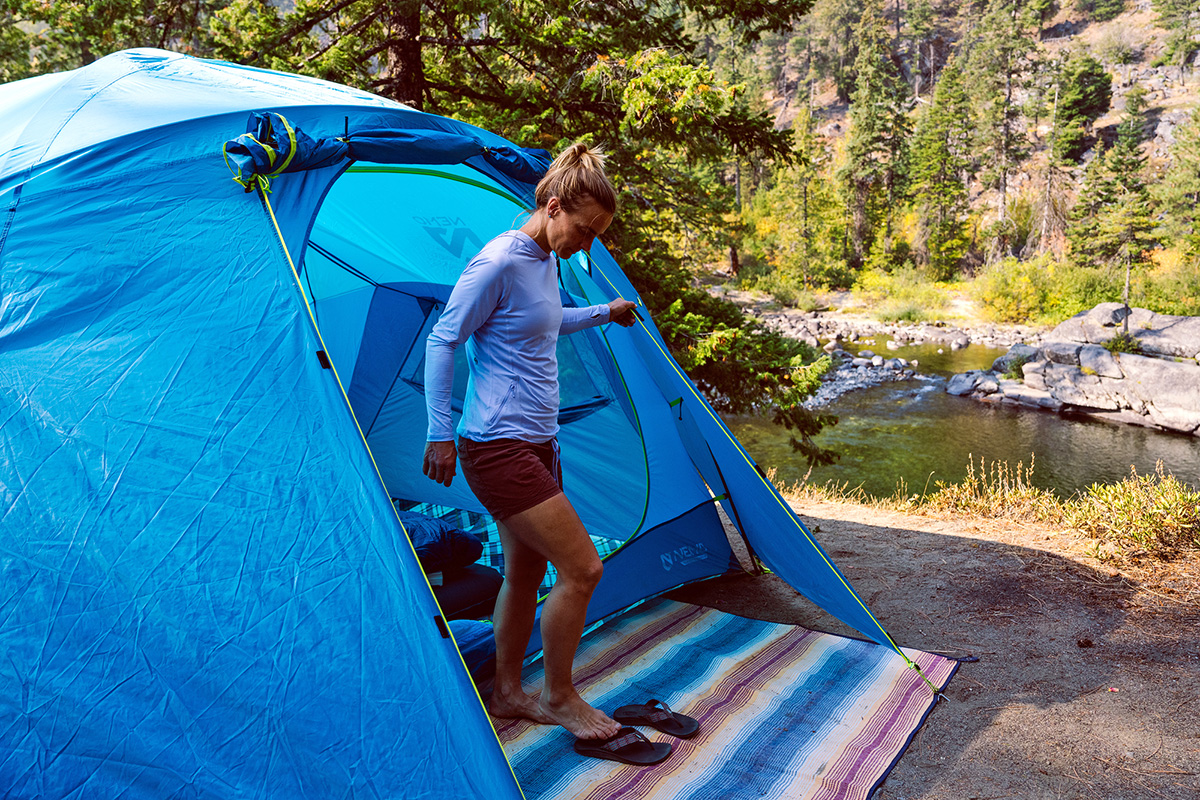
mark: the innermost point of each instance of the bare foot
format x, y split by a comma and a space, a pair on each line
579, 718
518, 704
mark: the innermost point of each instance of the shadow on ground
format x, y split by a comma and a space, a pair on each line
1086, 686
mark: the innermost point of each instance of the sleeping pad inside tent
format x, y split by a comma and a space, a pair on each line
212, 409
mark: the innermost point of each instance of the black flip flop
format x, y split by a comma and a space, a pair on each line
627, 745
657, 715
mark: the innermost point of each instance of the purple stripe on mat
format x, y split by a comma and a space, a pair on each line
864, 750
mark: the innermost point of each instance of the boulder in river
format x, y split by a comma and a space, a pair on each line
963, 383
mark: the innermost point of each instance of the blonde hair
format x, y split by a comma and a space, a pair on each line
577, 173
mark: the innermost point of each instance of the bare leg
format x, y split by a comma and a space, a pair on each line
516, 608
554, 531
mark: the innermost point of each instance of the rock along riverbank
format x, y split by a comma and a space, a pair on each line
848, 338
1070, 370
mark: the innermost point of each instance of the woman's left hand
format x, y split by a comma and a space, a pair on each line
623, 312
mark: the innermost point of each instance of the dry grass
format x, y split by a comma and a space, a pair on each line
1156, 515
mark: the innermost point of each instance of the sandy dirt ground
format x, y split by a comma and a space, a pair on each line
1088, 679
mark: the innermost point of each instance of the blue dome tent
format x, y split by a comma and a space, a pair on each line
211, 405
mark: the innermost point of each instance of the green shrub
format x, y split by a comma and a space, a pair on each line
898, 257
1123, 343
1116, 46
1014, 371
902, 312
900, 295
1043, 290
1179, 51
786, 292
1172, 286
787, 289
1100, 10
1012, 290
1078, 288
1157, 513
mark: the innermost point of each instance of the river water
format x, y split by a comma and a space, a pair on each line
912, 431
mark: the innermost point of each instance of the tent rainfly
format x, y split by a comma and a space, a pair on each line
211, 401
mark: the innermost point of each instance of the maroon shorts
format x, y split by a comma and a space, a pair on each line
509, 475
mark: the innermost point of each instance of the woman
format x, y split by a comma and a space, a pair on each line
507, 308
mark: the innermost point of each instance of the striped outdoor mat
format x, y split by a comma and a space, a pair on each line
784, 712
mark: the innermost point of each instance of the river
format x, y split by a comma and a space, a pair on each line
912, 431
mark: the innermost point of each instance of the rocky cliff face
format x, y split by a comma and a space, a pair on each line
1159, 386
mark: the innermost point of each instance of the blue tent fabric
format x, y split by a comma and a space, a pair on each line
210, 400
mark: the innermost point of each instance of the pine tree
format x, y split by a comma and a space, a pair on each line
1100, 10
920, 30
1085, 92
831, 30
1178, 194
1000, 51
798, 223
1114, 220
1182, 19
876, 147
1041, 12
1095, 196
1131, 218
1126, 162
65, 35
940, 166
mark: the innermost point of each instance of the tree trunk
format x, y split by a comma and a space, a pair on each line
737, 180
404, 69
859, 224
1005, 142
1125, 298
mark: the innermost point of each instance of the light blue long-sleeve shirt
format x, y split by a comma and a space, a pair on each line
507, 309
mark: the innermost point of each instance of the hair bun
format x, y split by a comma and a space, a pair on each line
586, 156
578, 172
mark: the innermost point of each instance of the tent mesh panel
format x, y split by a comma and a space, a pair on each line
484, 527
